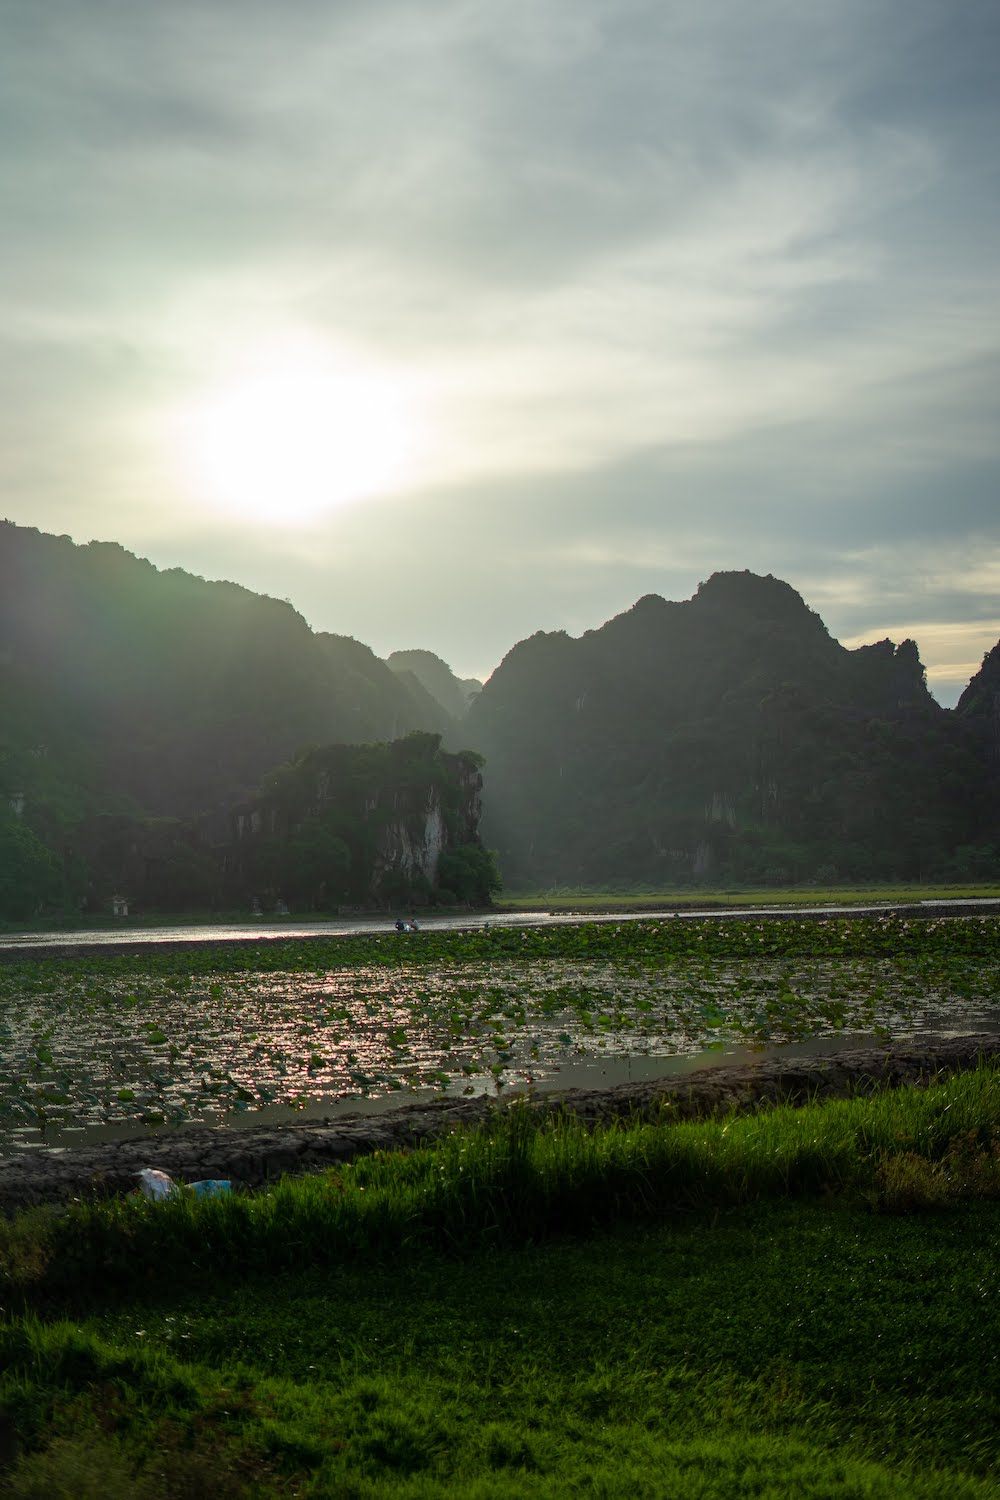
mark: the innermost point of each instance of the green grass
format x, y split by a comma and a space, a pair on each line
523, 1178
793, 1303
772, 1350
586, 899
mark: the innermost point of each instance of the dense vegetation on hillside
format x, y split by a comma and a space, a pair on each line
395, 823
725, 738
137, 707
731, 737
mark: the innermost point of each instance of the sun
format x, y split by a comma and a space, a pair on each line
293, 429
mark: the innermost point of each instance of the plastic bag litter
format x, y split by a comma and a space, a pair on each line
211, 1187
156, 1184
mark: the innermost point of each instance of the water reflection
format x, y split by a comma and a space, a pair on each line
287, 929
129, 1054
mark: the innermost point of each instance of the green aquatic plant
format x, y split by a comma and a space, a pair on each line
254, 1021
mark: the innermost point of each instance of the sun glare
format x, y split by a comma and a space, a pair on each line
294, 431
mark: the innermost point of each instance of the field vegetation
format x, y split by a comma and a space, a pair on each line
794, 1302
173, 1036
800, 1302
631, 898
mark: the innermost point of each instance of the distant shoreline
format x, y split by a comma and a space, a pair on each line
15, 948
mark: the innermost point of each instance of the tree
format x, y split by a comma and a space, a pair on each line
31, 876
314, 863
470, 873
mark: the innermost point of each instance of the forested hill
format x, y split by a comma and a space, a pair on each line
724, 737
730, 736
125, 687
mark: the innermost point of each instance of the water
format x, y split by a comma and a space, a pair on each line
288, 929
588, 1074
95, 1057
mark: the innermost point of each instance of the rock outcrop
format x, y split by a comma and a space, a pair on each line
366, 824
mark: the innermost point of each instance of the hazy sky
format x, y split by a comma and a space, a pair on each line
452, 320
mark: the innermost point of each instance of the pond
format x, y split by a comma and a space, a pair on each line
99, 1054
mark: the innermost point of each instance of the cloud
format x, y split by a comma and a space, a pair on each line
680, 288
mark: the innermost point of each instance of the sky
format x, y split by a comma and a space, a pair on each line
454, 320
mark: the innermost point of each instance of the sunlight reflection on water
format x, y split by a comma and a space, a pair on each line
129, 1054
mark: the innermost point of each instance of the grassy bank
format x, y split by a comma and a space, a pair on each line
799, 1302
554, 898
525, 1177
680, 898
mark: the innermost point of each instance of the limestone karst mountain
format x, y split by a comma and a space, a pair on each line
725, 737
164, 689
728, 737
137, 706
454, 694
979, 705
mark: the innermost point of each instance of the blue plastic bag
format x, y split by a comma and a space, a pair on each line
211, 1187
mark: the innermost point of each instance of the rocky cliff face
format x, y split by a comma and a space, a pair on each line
409, 847
420, 828
366, 824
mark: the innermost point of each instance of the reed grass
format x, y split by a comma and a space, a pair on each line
523, 1177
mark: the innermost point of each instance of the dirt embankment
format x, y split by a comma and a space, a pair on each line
252, 1157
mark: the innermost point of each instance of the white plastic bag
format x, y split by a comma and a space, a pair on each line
156, 1184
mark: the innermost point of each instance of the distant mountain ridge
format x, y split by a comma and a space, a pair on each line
436, 678
168, 691
723, 737
132, 694
729, 736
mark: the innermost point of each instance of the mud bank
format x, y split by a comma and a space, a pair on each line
252, 1156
